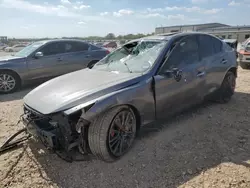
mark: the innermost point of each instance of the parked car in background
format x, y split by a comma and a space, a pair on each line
112, 44
100, 44
15, 48
3, 46
244, 55
131, 87
45, 59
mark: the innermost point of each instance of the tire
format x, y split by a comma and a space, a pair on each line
227, 88
15, 84
92, 63
244, 66
102, 130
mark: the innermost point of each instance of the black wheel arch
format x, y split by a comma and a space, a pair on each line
233, 70
91, 63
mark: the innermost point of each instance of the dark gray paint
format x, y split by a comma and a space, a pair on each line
153, 95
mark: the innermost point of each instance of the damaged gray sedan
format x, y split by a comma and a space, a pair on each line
100, 110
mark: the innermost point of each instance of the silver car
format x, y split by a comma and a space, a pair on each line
15, 48
46, 59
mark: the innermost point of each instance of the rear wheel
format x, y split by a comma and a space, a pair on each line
9, 82
112, 133
227, 88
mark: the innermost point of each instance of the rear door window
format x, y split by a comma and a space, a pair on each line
217, 45
206, 46
75, 46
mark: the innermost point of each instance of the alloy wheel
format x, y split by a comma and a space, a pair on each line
7, 82
122, 132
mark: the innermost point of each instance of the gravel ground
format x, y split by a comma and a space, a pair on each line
207, 146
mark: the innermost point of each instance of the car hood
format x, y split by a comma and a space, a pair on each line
75, 88
6, 59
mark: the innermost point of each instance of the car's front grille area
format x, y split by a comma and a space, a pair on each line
32, 114
41, 120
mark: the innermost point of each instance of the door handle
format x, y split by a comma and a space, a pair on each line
224, 61
200, 74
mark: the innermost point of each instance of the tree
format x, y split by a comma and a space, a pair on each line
110, 36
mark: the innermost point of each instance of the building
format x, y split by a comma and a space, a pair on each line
241, 33
3, 39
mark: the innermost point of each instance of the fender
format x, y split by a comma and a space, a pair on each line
138, 95
232, 67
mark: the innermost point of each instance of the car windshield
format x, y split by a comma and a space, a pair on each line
136, 60
29, 49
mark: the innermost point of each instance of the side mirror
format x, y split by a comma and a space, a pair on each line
38, 54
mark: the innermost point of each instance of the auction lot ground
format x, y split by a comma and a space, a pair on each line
207, 146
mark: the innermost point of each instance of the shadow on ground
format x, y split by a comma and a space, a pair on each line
168, 154
19, 94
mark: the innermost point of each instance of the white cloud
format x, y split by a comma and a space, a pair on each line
79, 2
65, 2
212, 11
155, 9
59, 10
123, 12
81, 7
26, 27
81, 23
233, 3
193, 9
152, 15
176, 17
199, 1
104, 13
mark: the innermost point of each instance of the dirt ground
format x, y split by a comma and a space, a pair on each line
208, 146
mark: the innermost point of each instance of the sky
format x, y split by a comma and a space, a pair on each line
81, 18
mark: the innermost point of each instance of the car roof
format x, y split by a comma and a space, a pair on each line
61, 40
168, 36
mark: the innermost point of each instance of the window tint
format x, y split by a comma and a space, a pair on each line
94, 47
76, 47
217, 45
53, 48
80, 46
206, 46
185, 52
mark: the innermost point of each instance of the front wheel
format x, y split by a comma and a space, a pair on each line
112, 133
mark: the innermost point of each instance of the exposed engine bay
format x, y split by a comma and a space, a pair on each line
58, 132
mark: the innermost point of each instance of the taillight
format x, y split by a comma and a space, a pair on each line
107, 51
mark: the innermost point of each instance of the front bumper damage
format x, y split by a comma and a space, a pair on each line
58, 132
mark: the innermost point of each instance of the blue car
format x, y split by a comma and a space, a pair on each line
100, 110
46, 59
